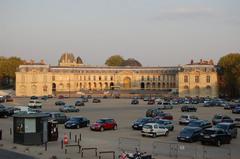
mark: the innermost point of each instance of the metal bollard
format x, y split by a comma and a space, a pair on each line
0, 134
80, 137
70, 135
75, 138
45, 146
61, 144
10, 131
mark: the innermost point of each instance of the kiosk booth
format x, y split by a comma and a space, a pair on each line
30, 129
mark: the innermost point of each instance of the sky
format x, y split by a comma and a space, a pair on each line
155, 32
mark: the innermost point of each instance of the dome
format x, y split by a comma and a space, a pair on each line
131, 62
67, 57
79, 60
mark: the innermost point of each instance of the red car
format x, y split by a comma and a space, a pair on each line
151, 102
104, 124
166, 116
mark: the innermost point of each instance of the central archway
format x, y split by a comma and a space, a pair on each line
127, 83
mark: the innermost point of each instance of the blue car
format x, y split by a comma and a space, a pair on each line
138, 124
236, 110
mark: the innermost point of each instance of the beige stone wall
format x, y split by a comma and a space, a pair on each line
201, 88
40, 80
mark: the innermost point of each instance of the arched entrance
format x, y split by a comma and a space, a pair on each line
54, 88
142, 85
112, 86
127, 83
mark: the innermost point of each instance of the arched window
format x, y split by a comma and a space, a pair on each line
185, 79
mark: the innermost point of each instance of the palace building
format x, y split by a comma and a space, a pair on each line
72, 76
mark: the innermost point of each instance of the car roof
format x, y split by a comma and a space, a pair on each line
192, 128
225, 123
214, 129
104, 118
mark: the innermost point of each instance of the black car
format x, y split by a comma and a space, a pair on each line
96, 100
189, 134
44, 97
77, 122
33, 97
138, 124
230, 128
59, 117
215, 136
60, 103
79, 103
200, 123
153, 112
134, 101
188, 108
236, 110
6, 111
219, 118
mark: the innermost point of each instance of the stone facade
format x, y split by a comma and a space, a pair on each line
42, 79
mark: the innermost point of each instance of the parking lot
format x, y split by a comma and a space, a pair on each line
124, 113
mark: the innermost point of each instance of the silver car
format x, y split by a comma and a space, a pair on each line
186, 118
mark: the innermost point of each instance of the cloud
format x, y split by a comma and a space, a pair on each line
185, 13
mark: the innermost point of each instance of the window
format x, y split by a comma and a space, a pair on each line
94, 78
208, 80
153, 78
111, 78
197, 79
142, 78
53, 78
30, 125
159, 78
99, 78
148, 78
185, 79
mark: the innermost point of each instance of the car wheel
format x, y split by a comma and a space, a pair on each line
115, 127
219, 143
167, 132
101, 129
154, 135
143, 135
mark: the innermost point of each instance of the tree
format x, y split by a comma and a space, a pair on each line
115, 60
229, 83
8, 67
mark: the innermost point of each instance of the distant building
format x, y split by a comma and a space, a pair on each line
72, 76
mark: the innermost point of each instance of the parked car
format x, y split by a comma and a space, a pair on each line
104, 124
76, 122
146, 98
2, 99
84, 99
164, 115
186, 118
35, 104
230, 106
68, 108
166, 124
60, 97
44, 97
151, 102
154, 130
33, 97
188, 108
218, 118
79, 103
153, 112
200, 123
96, 100
230, 128
9, 98
237, 122
138, 124
59, 117
6, 111
236, 110
189, 134
60, 103
215, 136
164, 105
25, 109
134, 101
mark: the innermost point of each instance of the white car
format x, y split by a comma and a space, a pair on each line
35, 104
19, 109
154, 130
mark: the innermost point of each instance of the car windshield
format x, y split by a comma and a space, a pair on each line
187, 131
209, 132
31, 102
161, 122
100, 121
38, 102
221, 126
184, 116
75, 119
147, 126
217, 117
194, 124
142, 120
